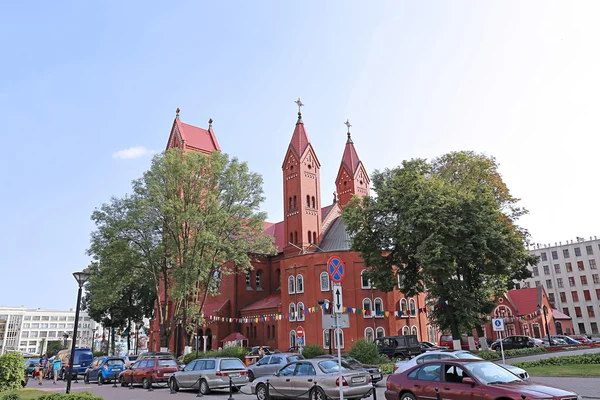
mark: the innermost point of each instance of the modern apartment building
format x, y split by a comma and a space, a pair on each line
29, 330
569, 273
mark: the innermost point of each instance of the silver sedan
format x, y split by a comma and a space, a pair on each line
315, 379
268, 365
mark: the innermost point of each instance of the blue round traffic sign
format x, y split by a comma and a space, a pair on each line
336, 269
498, 322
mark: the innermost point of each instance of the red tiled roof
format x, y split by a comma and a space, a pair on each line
214, 306
558, 315
271, 301
275, 229
234, 337
299, 140
350, 157
525, 300
198, 138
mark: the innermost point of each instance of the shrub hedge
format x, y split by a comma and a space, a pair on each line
54, 396
366, 352
564, 360
497, 355
235, 352
12, 371
387, 368
312, 350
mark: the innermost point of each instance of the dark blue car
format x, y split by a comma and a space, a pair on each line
81, 361
104, 369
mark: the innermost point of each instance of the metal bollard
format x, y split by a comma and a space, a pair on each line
199, 389
268, 395
374, 391
437, 394
115, 380
150, 389
230, 389
131, 381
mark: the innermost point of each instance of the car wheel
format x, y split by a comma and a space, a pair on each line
407, 396
401, 357
204, 389
124, 383
261, 392
101, 380
318, 394
173, 385
146, 383
86, 379
251, 376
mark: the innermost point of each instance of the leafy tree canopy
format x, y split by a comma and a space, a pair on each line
447, 227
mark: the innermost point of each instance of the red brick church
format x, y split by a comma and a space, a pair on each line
276, 304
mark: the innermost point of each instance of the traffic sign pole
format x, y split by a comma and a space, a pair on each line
502, 347
339, 351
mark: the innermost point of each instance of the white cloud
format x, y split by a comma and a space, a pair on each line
133, 152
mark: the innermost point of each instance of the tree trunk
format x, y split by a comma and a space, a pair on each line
453, 327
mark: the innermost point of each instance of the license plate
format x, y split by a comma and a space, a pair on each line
168, 374
360, 379
76, 365
376, 376
234, 375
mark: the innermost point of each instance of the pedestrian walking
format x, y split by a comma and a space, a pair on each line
56, 365
37, 373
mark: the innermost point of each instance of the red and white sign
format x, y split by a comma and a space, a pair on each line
300, 332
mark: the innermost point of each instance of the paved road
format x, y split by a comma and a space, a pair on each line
552, 354
588, 388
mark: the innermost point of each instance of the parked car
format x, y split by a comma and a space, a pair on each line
30, 365
428, 346
514, 342
104, 369
581, 338
453, 355
353, 363
567, 339
210, 374
401, 347
446, 341
314, 379
81, 361
554, 341
152, 354
148, 371
267, 350
268, 365
466, 379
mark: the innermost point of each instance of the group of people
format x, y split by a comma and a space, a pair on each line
47, 369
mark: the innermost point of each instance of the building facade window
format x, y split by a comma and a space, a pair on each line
369, 334
412, 305
583, 279
557, 268
549, 283
292, 311
309, 237
571, 281
577, 252
592, 264
554, 255
380, 332
544, 256
259, 280
364, 282
326, 342
578, 312
378, 307
596, 278
536, 271
563, 297
278, 276
314, 205
575, 295
291, 284
404, 306
299, 284
366, 305
292, 339
300, 311
248, 280
405, 330
566, 253
589, 250
586, 295
580, 266
414, 331
569, 267
546, 270
324, 279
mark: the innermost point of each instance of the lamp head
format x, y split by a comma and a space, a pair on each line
81, 277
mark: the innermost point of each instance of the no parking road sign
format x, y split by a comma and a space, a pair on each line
336, 269
498, 324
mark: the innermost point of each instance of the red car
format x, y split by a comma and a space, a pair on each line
581, 339
149, 371
466, 380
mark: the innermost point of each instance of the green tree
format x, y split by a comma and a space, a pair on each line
447, 226
191, 219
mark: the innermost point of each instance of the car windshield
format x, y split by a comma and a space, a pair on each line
115, 363
294, 358
167, 363
490, 373
330, 366
351, 360
467, 356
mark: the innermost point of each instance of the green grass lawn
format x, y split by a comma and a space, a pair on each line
565, 370
29, 394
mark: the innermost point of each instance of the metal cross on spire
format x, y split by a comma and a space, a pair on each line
347, 123
299, 103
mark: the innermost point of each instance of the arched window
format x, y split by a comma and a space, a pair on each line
413, 307
415, 331
432, 334
324, 278
367, 308
268, 331
378, 308
406, 330
404, 307
254, 335
364, 282
294, 201
291, 237
502, 311
300, 311
291, 285
326, 342
249, 280
292, 310
307, 201
313, 202
380, 332
292, 338
278, 274
258, 280
290, 207
338, 338
273, 331
309, 236
299, 284
296, 237
315, 237
248, 332
401, 279
369, 336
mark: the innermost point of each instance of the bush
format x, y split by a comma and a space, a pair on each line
497, 355
312, 350
387, 368
564, 360
366, 352
11, 396
70, 396
99, 354
12, 371
235, 352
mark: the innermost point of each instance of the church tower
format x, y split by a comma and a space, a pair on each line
301, 190
352, 178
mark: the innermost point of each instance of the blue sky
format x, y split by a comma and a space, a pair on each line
82, 81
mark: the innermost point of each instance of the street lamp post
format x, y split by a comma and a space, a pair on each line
546, 323
81, 278
94, 338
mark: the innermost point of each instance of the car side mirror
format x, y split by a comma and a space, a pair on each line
277, 373
468, 381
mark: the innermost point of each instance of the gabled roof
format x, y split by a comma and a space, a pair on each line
214, 306
336, 238
524, 300
269, 302
197, 138
234, 337
350, 157
299, 140
559, 315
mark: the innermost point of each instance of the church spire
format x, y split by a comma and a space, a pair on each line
352, 177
